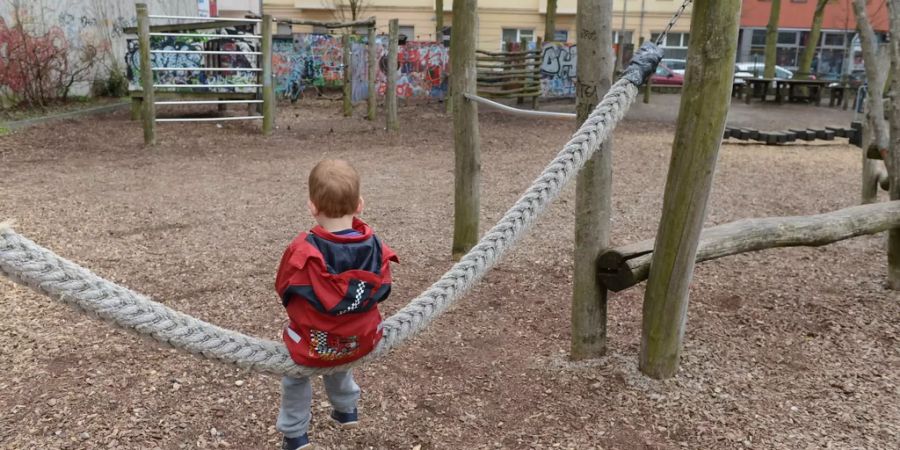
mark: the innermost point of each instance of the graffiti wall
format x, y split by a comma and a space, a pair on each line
179, 62
558, 69
88, 29
316, 60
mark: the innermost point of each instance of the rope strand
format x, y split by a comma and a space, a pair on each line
29, 264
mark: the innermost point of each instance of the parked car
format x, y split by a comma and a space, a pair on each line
756, 69
665, 76
676, 65
679, 65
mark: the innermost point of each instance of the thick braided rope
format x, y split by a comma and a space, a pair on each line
31, 265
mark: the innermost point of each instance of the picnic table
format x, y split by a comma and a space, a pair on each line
792, 90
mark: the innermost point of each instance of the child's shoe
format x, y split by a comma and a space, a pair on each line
296, 443
346, 420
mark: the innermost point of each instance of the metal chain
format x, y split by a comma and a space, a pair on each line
672, 22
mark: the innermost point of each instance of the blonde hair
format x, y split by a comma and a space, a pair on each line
334, 188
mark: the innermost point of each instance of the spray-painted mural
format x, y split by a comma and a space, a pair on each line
316, 60
91, 31
558, 69
230, 41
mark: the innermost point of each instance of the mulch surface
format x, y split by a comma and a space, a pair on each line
787, 348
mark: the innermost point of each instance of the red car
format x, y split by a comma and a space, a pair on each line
665, 76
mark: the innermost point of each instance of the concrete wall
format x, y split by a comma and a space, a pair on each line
83, 24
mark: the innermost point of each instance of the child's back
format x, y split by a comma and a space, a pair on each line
330, 281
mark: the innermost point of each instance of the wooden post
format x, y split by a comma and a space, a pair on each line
466, 140
532, 78
373, 67
647, 85
894, 143
390, 93
593, 211
348, 75
550, 22
772, 40
701, 122
148, 108
439, 21
523, 46
268, 81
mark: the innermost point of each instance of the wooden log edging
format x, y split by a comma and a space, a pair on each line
626, 266
853, 134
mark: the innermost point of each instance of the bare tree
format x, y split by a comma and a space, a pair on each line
812, 43
39, 66
347, 10
550, 22
772, 39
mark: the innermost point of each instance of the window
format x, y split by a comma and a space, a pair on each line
675, 44
628, 37
514, 35
408, 31
827, 60
561, 35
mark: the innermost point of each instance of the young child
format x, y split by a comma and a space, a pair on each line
330, 281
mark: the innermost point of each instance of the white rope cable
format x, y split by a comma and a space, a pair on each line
31, 265
520, 112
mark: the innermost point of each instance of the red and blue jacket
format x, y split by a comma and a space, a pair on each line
331, 284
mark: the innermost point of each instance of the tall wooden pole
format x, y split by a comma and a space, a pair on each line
148, 108
550, 22
621, 50
876, 74
771, 39
466, 140
348, 75
373, 67
593, 28
268, 82
390, 93
701, 121
439, 21
894, 143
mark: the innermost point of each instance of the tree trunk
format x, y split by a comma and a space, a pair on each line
876, 73
701, 121
594, 183
772, 39
466, 140
805, 69
550, 22
439, 21
894, 151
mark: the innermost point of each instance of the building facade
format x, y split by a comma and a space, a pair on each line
795, 21
500, 21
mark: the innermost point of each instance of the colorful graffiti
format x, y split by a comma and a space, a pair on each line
316, 59
230, 41
558, 69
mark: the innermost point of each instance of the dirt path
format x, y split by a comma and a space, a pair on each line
786, 349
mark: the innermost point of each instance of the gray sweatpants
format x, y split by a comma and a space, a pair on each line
296, 400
